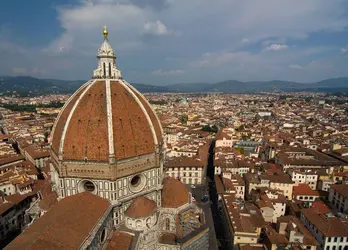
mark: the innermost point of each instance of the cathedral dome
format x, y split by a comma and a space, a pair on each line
106, 119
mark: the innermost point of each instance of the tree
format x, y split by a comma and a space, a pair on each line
240, 150
209, 128
214, 129
206, 128
158, 102
183, 119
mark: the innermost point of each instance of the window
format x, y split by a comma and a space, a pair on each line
335, 239
103, 236
109, 69
89, 186
137, 183
167, 224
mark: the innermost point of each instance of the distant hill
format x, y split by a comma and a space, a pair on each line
30, 86
233, 86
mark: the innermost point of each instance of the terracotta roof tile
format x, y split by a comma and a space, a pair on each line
120, 241
57, 134
141, 207
132, 133
174, 193
157, 125
328, 224
341, 189
184, 161
304, 189
87, 133
65, 226
168, 238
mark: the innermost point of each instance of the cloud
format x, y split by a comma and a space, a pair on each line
83, 24
344, 49
224, 38
213, 60
156, 28
295, 66
64, 41
161, 72
278, 40
276, 47
250, 66
154, 4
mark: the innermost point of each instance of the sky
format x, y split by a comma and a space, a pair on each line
177, 41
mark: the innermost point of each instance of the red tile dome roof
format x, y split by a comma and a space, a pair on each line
174, 193
105, 119
141, 207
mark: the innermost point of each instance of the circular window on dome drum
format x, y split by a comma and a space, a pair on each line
137, 183
87, 186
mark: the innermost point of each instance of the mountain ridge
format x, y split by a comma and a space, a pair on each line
31, 86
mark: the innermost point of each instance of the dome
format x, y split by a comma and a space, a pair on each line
141, 207
174, 193
106, 119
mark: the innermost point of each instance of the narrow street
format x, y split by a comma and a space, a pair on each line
222, 235
199, 192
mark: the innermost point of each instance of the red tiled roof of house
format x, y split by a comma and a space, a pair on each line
342, 189
327, 224
320, 207
304, 189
